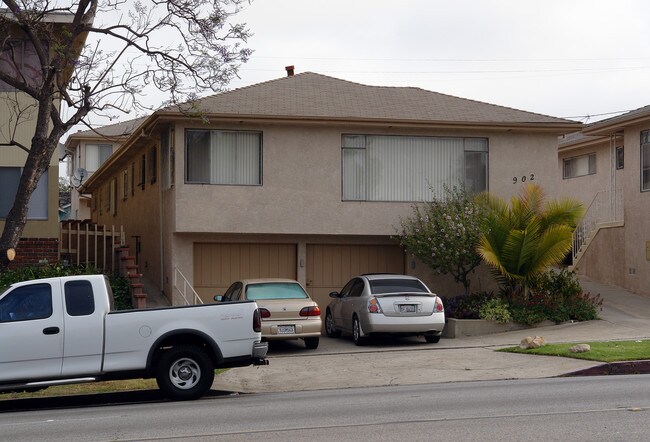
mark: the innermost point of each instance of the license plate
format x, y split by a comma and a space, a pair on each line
407, 308
286, 329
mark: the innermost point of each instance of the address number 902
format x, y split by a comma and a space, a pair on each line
523, 178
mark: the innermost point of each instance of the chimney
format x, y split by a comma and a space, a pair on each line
289, 70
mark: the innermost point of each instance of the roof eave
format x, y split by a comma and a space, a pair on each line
611, 127
559, 127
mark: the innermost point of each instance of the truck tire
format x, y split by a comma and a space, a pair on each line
184, 372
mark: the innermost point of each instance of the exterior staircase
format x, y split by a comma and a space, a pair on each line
129, 269
604, 211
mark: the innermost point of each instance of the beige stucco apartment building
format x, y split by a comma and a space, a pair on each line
607, 166
40, 237
307, 177
87, 151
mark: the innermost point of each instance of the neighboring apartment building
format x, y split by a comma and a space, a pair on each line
607, 166
307, 177
87, 151
39, 241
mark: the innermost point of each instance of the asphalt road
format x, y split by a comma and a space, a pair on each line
562, 409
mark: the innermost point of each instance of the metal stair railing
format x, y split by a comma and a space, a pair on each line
187, 287
606, 207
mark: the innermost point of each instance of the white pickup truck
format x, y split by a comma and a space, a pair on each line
62, 330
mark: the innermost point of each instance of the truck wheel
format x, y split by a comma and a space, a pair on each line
184, 372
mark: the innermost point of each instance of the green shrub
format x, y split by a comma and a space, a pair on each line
466, 306
121, 292
556, 296
495, 310
527, 315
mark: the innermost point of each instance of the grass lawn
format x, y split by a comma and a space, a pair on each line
92, 388
612, 351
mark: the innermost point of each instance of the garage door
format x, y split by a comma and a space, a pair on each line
216, 266
329, 267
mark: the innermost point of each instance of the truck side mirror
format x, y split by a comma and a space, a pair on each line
218, 298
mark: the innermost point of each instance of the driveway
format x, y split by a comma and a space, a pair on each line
338, 363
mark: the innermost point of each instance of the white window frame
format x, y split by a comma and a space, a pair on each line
402, 168
645, 161
590, 158
99, 157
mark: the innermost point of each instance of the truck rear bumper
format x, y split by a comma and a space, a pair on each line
259, 353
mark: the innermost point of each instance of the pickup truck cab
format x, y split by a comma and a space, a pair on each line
63, 330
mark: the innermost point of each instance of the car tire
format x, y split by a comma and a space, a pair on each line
432, 339
184, 372
330, 327
312, 343
357, 332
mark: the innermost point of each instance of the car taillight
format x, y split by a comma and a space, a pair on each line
373, 306
438, 307
257, 320
310, 311
265, 313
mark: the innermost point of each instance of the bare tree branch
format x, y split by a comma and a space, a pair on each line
100, 57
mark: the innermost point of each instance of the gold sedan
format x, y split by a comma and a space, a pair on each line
287, 310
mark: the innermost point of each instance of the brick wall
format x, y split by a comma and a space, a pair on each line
33, 251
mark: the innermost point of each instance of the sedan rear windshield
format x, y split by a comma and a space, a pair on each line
275, 290
379, 286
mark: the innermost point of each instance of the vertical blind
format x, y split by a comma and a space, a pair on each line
408, 168
645, 160
220, 157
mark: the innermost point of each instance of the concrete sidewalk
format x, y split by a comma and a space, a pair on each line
338, 363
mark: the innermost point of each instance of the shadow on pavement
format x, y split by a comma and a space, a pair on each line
91, 400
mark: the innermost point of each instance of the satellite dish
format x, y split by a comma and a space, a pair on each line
79, 175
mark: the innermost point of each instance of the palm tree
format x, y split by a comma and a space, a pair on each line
526, 237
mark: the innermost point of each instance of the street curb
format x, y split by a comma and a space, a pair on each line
614, 368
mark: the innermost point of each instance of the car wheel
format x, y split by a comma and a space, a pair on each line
432, 339
311, 343
330, 327
357, 332
184, 372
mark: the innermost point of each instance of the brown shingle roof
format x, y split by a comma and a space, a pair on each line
316, 96
614, 124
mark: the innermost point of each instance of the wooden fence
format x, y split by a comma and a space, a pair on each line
89, 244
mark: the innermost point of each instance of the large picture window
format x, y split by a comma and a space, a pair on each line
407, 168
223, 157
645, 160
9, 179
579, 166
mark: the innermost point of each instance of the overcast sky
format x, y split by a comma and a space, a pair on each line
565, 58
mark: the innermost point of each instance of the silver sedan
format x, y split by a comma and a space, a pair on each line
390, 304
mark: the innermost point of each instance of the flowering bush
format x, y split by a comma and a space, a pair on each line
444, 233
555, 296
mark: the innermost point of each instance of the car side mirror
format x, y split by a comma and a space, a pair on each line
335, 295
218, 298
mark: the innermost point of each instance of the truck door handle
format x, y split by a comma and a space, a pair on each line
51, 330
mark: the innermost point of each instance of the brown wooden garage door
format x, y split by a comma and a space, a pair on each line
216, 266
329, 267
